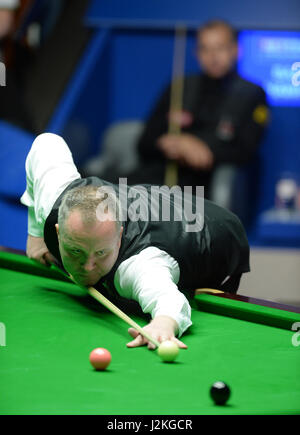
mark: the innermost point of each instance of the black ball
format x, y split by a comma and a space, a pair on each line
220, 393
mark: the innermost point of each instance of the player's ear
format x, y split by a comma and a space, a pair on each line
57, 229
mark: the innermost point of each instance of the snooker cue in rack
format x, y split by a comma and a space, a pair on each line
171, 172
110, 306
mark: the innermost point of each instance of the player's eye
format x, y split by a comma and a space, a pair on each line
76, 251
100, 253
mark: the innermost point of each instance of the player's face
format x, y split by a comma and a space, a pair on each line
88, 252
216, 51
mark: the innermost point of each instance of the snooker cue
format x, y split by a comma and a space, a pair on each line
110, 306
212, 291
171, 172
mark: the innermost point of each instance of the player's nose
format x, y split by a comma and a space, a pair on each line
90, 264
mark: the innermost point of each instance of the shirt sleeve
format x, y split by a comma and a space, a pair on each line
35, 228
151, 278
49, 170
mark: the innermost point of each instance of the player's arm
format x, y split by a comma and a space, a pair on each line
37, 250
49, 169
35, 246
150, 278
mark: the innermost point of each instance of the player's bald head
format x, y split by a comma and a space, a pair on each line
91, 204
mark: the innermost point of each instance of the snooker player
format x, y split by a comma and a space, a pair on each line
78, 223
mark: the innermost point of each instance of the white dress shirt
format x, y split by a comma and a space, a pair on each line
150, 277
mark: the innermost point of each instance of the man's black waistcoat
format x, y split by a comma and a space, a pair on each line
205, 257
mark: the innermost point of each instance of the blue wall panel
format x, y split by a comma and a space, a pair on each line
141, 68
83, 111
14, 147
266, 14
13, 228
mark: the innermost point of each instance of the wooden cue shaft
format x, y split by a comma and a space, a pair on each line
171, 173
110, 306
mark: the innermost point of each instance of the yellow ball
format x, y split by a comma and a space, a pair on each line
168, 351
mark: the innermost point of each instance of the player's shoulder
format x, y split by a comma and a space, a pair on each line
220, 220
219, 213
248, 87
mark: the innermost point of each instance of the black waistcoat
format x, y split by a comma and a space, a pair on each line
205, 257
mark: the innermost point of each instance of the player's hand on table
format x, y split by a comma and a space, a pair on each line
161, 328
37, 250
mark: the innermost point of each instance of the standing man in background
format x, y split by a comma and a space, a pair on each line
222, 121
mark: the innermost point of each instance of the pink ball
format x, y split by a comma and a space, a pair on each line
100, 358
